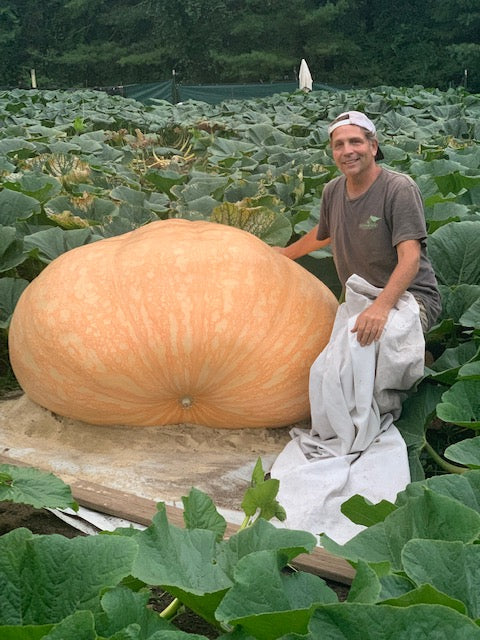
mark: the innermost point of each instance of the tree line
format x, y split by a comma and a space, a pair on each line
354, 43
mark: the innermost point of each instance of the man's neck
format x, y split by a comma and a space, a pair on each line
357, 185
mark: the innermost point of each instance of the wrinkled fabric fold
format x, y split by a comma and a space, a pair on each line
356, 394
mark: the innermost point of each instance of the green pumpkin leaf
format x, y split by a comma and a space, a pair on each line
34, 487
47, 578
466, 452
16, 206
461, 404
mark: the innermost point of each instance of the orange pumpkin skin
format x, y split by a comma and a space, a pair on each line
175, 322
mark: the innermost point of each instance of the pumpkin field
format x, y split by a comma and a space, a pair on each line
79, 167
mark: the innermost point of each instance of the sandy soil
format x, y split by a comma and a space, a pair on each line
159, 463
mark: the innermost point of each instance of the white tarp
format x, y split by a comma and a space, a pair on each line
356, 392
304, 78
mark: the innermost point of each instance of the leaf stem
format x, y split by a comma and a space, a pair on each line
446, 466
171, 610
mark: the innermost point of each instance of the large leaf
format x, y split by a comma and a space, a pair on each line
360, 511
394, 123
164, 180
51, 243
451, 567
285, 607
199, 209
466, 452
262, 536
461, 404
456, 181
417, 412
426, 594
16, 206
362, 621
458, 300
122, 607
78, 626
15, 145
80, 212
366, 586
256, 218
39, 187
445, 369
265, 134
32, 486
465, 488
454, 251
200, 186
221, 149
11, 249
442, 212
184, 561
192, 565
429, 516
132, 197
46, 578
470, 371
200, 513
10, 291
471, 317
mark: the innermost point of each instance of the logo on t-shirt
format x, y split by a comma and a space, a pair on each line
371, 223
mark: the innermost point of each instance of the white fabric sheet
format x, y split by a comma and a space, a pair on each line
356, 393
305, 82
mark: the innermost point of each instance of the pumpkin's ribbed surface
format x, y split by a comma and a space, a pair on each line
174, 322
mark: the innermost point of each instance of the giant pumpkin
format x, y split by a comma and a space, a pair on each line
175, 322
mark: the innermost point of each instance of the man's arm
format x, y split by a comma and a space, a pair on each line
305, 244
371, 322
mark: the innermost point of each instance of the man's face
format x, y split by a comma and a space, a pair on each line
353, 152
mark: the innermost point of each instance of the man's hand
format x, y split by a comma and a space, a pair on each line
370, 323
304, 245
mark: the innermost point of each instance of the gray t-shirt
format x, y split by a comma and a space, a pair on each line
364, 232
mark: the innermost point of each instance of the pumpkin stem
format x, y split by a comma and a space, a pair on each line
186, 402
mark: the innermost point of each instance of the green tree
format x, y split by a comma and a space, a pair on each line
28, 30
9, 30
336, 42
73, 43
107, 43
264, 41
189, 33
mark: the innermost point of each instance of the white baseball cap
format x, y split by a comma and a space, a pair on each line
358, 118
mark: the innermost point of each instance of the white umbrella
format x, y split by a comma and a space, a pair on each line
304, 77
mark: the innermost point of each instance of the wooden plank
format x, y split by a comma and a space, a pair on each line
141, 510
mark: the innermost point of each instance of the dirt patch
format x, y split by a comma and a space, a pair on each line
159, 463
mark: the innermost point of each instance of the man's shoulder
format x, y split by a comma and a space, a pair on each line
395, 178
334, 184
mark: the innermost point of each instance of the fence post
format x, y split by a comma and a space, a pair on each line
175, 92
